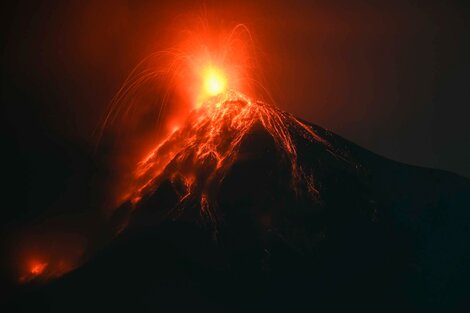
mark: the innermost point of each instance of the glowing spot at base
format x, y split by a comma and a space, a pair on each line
37, 268
215, 81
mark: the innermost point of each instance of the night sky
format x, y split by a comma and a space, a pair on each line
392, 78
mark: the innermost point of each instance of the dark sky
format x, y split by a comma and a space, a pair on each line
392, 78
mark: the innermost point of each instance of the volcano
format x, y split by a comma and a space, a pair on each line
245, 207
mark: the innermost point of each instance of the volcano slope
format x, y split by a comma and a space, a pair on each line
248, 208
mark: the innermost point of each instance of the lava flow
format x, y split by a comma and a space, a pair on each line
201, 151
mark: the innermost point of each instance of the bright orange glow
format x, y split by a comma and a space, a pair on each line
34, 269
42, 270
215, 81
37, 267
39, 259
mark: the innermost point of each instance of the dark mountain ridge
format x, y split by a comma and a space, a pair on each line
361, 232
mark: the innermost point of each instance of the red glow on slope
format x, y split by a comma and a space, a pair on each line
41, 255
33, 269
37, 268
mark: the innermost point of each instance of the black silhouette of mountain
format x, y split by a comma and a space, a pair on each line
372, 234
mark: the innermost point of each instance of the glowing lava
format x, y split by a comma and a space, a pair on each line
34, 269
215, 81
202, 151
37, 268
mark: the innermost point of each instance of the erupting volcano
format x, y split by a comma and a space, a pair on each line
199, 150
231, 202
